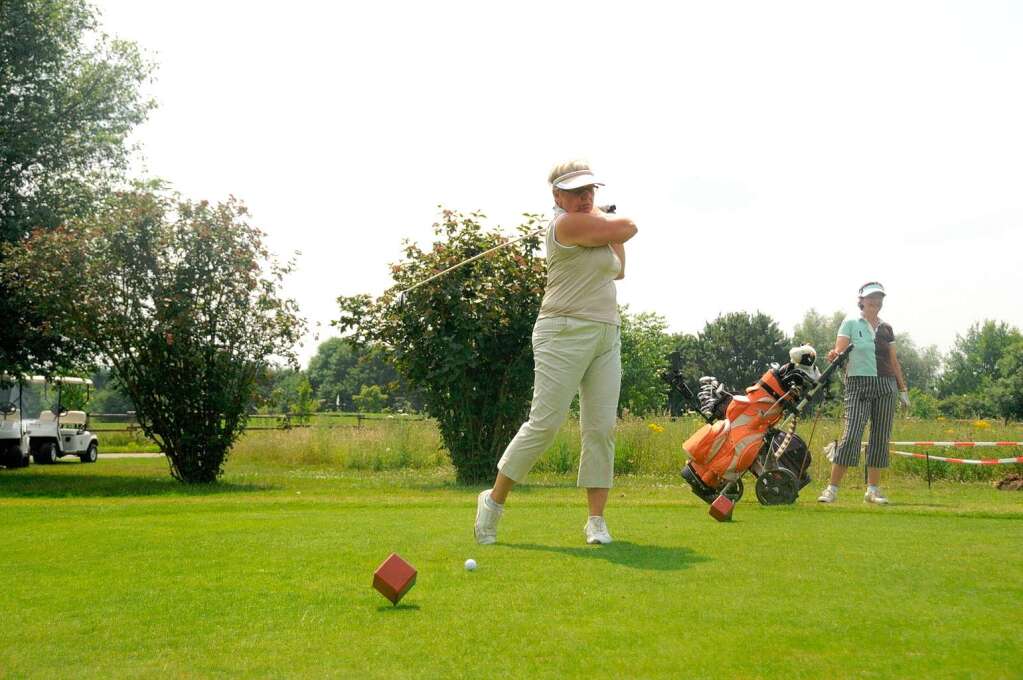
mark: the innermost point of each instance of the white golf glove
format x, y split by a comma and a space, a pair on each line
904, 397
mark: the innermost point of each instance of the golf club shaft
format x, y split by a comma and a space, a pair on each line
607, 209
474, 257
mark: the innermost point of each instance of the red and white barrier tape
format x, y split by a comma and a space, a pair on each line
964, 461
964, 445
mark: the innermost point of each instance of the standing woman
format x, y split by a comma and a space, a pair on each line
874, 382
576, 348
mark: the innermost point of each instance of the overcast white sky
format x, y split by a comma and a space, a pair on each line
791, 150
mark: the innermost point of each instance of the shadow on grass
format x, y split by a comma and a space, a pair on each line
398, 607
25, 484
647, 557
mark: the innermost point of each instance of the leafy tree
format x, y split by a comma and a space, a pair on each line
463, 339
645, 349
975, 356
920, 366
110, 400
1008, 388
736, 348
340, 368
290, 395
69, 98
328, 368
820, 331
370, 399
181, 299
109, 396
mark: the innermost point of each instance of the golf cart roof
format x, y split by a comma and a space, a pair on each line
67, 380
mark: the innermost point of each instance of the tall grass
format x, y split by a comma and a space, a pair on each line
385, 445
650, 446
654, 446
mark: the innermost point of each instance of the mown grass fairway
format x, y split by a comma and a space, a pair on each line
115, 570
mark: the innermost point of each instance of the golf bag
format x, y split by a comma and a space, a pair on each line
741, 432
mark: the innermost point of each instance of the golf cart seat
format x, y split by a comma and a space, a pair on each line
73, 419
69, 419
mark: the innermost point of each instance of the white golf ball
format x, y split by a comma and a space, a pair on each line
470, 564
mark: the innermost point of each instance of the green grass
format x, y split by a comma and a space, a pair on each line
114, 570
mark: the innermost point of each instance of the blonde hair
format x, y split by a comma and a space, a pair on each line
562, 168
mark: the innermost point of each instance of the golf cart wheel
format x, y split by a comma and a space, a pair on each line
91, 454
17, 459
777, 487
735, 491
45, 454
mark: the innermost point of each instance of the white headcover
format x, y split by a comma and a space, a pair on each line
804, 359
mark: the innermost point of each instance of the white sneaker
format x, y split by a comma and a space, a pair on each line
875, 497
829, 495
486, 520
596, 531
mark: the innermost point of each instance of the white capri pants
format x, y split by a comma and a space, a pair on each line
571, 355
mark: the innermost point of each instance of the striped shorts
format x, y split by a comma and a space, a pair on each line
867, 398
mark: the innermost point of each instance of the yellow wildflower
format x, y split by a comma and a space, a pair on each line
654, 427
981, 424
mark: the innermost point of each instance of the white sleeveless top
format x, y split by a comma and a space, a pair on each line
580, 280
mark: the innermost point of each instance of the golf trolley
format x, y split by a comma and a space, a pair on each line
741, 432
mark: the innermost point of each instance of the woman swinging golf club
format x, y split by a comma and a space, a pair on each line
576, 348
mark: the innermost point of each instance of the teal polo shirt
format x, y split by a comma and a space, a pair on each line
863, 360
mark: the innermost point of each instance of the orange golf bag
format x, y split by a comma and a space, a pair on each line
740, 433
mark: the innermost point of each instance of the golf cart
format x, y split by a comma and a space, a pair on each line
57, 431
14, 451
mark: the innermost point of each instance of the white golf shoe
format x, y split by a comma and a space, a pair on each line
596, 531
829, 495
487, 517
875, 496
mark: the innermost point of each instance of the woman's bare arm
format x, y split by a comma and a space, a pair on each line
841, 342
593, 229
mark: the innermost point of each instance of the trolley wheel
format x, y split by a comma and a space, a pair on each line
736, 491
777, 487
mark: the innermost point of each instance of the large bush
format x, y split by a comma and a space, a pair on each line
463, 339
180, 299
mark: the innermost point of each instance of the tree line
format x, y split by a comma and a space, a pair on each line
977, 377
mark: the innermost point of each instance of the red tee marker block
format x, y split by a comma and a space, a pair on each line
394, 578
721, 508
